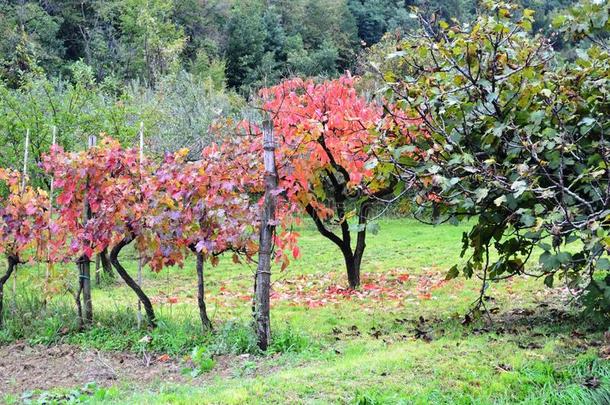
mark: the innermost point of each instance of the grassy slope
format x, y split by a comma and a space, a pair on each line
516, 359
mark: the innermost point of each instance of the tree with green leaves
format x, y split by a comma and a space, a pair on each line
245, 47
518, 139
154, 41
76, 108
29, 41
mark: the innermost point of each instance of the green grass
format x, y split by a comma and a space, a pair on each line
378, 375
363, 350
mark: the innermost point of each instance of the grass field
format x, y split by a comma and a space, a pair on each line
403, 338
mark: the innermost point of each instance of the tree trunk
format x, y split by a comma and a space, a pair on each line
353, 268
354, 275
263, 271
106, 265
12, 264
203, 314
98, 279
84, 267
114, 259
79, 305
353, 259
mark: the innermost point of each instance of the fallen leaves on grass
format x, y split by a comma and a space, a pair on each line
318, 290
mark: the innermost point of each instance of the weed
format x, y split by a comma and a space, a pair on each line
367, 398
235, 337
247, 369
203, 361
73, 396
289, 340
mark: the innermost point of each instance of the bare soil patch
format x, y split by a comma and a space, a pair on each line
27, 368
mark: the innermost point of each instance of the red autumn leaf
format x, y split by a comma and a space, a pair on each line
163, 358
296, 253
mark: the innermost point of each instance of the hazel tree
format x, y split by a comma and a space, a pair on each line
517, 139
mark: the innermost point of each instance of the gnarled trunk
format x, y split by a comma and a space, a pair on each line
84, 270
105, 261
102, 264
114, 259
12, 264
203, 314
353, 274
353, 268
352, 257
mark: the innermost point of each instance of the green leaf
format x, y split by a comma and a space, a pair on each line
373, 227
603, 264
548, 280
498, 201
559, 20
371, 164
453, 272
519, 187
481, 194
549, 261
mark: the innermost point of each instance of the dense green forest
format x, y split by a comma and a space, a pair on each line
246, 43
95, 66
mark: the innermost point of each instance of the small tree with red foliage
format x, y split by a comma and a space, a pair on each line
202, 208
327, 136
24, 224
116, 187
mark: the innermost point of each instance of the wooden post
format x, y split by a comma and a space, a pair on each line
24, 175
51, 192
141, 134
25, 159
85, 261
267, 229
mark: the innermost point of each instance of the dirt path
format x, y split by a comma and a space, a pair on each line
26, 368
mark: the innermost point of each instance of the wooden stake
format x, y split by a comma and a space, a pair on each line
141, 134
51, 191
85, 261
263, 271
25, 159
24, 174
